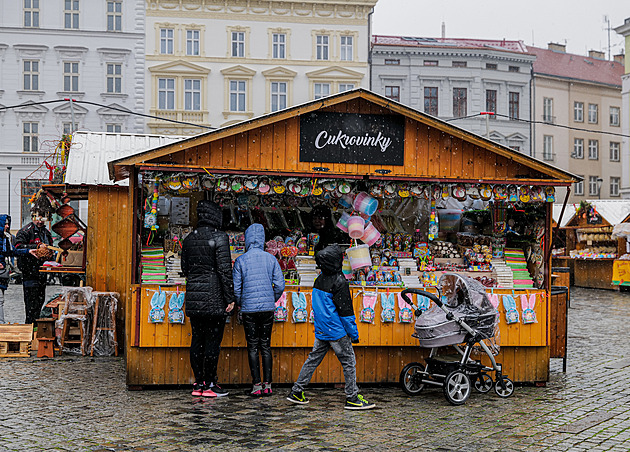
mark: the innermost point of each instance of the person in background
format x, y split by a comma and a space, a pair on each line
31, 237
207, 265
322, 224
335, 327
6, 251
258, 284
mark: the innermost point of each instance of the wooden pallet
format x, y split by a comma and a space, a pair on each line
15, 341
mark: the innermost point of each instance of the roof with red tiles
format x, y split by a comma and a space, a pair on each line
576, 67
487, 44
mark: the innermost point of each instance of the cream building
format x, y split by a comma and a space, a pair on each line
583, 93
219, 62
624, 30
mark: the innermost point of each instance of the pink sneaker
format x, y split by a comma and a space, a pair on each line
197, 389
207, 391
267, 391
257, 390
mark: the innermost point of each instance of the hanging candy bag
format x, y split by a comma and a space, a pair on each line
175, 305
405, 314
158, 301
367, 313
388, 315
298, 300
280, 314
527, 304
511, 314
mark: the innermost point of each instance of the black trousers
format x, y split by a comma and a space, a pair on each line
258, 327
34, 297
205, 345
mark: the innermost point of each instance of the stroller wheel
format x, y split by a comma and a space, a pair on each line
411, 378
483, 383
457, 387
505, 391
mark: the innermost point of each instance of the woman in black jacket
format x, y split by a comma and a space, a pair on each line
207, 264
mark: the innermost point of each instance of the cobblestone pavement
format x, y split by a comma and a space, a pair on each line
75, 403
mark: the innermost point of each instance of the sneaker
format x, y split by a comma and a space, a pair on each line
257, 390
267, 389
218, 390
297, 397
197, 389
207, 392
358, 403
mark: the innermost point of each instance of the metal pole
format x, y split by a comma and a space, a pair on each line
72, 115
9, 168
488, 127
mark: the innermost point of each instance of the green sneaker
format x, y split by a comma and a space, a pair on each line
358, 403
297, 397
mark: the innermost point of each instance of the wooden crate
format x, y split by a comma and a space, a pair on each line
15, 341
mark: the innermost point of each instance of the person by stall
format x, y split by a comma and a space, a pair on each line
335, 327
6, 251
258, 284
34, 236
207, 264
322, 224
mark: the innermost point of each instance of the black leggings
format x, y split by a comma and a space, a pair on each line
205, 345
34, 297
258, 327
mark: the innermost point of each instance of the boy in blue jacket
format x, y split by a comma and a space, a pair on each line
335, 327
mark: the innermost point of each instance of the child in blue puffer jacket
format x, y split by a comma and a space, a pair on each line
6, 250
258, 284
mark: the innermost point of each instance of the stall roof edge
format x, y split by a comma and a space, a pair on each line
120, 167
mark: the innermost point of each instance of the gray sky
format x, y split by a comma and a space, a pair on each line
579, 22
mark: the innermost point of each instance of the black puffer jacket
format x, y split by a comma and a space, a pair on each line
29, 238
207, 264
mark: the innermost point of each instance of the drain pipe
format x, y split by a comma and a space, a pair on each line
370, 49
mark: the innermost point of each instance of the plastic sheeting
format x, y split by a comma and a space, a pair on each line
103, 340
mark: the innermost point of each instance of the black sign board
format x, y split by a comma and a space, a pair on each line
352, 138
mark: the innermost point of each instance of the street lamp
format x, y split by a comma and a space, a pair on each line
9, 168
599, 187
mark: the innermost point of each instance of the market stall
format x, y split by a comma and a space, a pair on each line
409, 197
590, 249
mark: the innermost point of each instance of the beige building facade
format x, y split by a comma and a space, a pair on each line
624, 30
578, 117
219, 62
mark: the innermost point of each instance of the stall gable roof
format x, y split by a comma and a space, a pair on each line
90, 152
614, 211
122, 164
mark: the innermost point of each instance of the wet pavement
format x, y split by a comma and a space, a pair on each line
75, 403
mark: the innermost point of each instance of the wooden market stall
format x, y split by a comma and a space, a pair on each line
590, 249
410, 155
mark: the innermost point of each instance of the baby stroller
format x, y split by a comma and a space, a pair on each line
462, 314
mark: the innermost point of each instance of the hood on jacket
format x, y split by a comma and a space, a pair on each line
255, 237
209, 214
4, 219
330, 259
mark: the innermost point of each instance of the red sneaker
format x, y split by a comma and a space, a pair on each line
197, 389
267, 389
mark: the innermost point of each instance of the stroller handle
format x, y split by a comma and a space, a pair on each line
429, 295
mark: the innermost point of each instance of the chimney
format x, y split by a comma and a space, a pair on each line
619, 59
597, 54
556, 47
443, 30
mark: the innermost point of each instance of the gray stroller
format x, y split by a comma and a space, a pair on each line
464, 318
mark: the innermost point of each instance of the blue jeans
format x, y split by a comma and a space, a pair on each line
345, 354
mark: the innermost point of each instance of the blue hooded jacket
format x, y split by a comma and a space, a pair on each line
258, 279
6, 248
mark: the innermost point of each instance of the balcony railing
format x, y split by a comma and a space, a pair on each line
549, 119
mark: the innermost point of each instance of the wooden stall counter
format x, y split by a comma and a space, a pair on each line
594, 273
162, 355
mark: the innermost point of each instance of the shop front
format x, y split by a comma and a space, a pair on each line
408, 196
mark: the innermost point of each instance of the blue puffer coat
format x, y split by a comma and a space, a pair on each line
258, 279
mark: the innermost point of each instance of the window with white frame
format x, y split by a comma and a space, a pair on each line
593, 190
67, 128
548, 147
578, 111
166, 41
238, 95
71, 76
114, 15
346, 50
279, 45
322, 48
578, 148
548, 109
579, 187
192, 42
114, 78
393, 93
592, 113
345, 87
114, 128
192, 94
614, 151
238, 44
615, 182
31, 75
321, 90
593, 149
30, 136
278, 96
614, 116
71, 14
31, 13
166, 93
